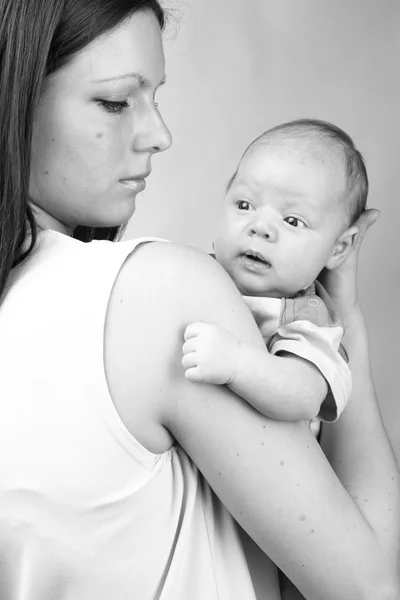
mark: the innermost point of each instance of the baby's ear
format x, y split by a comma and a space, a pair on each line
343, 247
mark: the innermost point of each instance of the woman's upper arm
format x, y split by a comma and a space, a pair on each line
271, 475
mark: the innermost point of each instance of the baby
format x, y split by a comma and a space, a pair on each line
289, 212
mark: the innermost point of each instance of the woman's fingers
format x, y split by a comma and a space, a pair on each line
366, 219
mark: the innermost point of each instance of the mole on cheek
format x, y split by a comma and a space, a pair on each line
99, 135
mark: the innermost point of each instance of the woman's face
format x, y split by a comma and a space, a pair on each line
97, 128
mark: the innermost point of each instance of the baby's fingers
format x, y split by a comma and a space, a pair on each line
194, 375
193, 330
189, 360
190, 346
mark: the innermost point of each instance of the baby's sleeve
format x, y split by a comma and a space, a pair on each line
310, 329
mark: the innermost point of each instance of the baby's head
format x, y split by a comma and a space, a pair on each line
290, 208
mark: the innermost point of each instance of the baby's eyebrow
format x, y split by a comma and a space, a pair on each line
289, 192
297, 201
143, 82
303, 208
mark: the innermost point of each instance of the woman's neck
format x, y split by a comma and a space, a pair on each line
46, 221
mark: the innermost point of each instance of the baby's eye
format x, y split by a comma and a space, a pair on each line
115, 108
243, 205
295, 222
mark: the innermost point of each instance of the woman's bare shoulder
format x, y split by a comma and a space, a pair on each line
174, 273
143, 322
173, 259
162, 288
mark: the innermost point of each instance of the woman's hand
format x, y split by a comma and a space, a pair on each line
271, 475
341, 283
357, 445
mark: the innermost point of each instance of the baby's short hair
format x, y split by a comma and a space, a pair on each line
334, 138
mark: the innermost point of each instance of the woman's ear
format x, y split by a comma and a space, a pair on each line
343, 247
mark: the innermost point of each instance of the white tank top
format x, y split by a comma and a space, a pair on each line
86, 512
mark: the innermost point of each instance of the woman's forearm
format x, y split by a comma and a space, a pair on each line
359, 450
271, 475
366, 466
276, 482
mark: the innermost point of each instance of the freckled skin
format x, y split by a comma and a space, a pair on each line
86, 149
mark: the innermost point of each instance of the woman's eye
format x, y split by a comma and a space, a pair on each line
243, 205
294, 222
115, 108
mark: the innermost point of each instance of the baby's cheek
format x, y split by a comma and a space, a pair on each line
299, 270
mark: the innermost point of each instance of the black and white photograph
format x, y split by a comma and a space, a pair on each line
199, 286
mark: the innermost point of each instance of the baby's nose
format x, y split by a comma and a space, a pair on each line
262, 228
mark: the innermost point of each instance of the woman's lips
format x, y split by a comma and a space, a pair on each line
134, 185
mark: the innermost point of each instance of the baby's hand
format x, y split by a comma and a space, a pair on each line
210, 354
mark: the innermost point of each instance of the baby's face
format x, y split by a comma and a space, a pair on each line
281, 220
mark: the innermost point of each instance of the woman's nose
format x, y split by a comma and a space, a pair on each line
152, 135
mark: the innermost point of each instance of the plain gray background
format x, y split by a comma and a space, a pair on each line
238, 67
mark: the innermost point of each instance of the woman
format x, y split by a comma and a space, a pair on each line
96, 501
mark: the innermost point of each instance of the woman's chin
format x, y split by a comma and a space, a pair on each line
111, 219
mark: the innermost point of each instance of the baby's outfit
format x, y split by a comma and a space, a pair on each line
308, 326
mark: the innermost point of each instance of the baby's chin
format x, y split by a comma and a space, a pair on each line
267, 294
248, 290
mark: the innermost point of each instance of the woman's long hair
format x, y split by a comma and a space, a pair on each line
37, 37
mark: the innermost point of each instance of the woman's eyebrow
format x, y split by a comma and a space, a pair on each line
143, 82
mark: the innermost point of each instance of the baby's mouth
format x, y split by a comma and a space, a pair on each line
255, 261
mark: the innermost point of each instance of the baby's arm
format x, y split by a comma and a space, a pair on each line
284, 387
